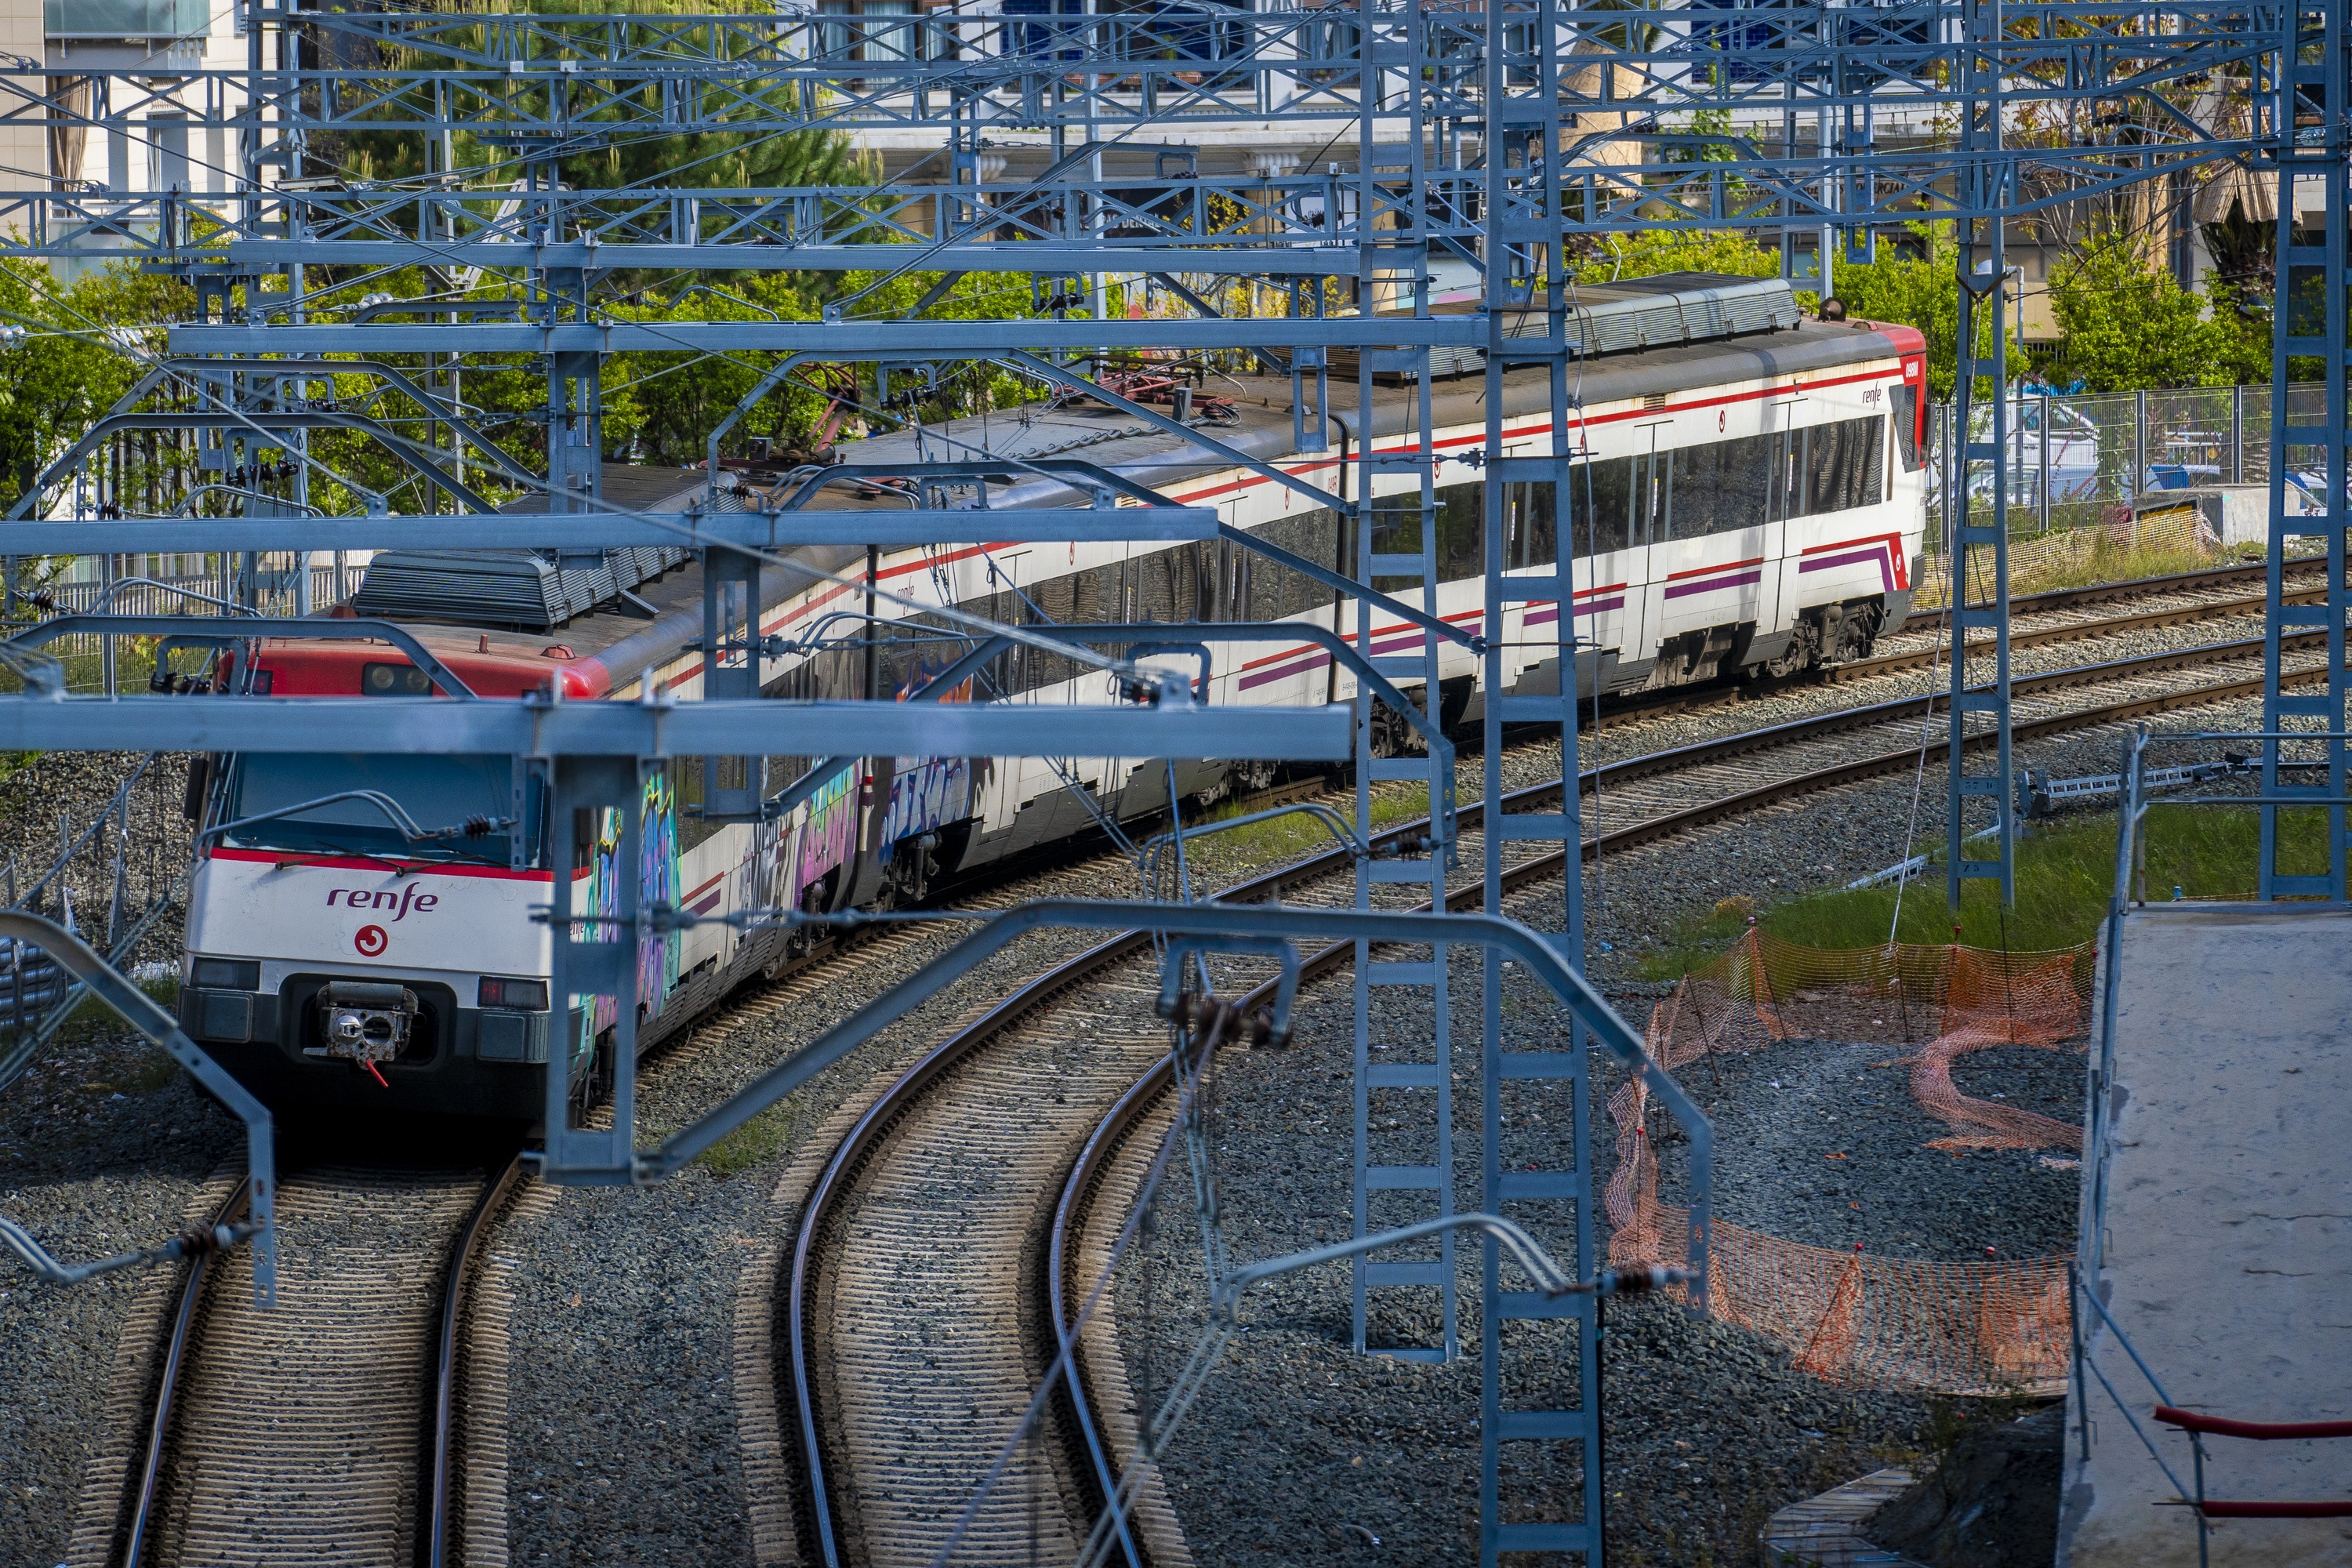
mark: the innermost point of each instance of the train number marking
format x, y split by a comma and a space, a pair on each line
371, 940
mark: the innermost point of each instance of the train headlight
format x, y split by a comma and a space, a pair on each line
226, 973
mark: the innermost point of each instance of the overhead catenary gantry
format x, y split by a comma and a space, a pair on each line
1492, 136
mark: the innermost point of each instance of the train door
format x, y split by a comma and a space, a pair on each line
1782, 502
1712, 521
1649, 515
1611, 553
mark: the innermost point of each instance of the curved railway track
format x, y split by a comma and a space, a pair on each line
2133, 588
215, 1451
925, 1297
329, 1429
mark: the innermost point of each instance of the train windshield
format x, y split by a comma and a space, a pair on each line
435, 792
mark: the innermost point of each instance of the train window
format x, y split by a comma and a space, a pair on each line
1842, 464
1600, 505
435, 792
1461, 532
1724, 486
1531, 522
1906, 429
1276, 591
1395, 525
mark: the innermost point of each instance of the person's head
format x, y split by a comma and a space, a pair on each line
1833, 309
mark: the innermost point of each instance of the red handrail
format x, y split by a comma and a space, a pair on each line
2260, 1431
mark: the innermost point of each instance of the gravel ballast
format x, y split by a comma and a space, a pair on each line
1302, 1448
102, 1146
623, 1439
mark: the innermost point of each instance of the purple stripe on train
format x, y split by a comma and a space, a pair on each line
1679, 590
1262, 677
1549, 614
1877, 552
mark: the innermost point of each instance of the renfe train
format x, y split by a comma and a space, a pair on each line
1748, 498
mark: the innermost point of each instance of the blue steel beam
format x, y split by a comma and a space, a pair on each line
1387, 928
1985, 283
534, 728
566, 83
186, 630
143, 1013
2312, 320
1551, 1175
594, 530
1669, 184
837, 339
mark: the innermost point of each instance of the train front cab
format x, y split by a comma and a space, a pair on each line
328, 965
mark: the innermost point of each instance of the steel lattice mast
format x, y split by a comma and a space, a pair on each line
1471, 139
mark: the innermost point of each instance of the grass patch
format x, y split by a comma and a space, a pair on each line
1298, 833
759, 1141
2084, 558
2107, 562
92, 1020
2065, 874
154, 1070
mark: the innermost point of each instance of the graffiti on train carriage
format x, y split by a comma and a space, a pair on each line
828, 823
657, 885
927, 793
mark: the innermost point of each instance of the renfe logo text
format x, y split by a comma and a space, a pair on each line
406, 900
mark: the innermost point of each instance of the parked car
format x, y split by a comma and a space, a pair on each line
2074, 441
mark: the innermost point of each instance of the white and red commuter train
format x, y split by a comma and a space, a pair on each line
1745, 501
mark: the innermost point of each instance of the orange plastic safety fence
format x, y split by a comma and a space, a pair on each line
1886, 1322
1852, 1318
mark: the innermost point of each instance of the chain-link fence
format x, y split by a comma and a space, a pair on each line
2076, 465
2100, 449
273, 587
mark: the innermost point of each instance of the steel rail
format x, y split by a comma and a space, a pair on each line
432, 1542
1109, 1136
817, 1500
1649, 763
133, 1536
1065, 1290
2082, 631
2129, 588
134, 1539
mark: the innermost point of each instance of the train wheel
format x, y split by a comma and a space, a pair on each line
1805, 651
1858, 631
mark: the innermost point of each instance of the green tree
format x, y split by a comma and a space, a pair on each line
1648, 252
2241, 338
1921, 293
2126, 324
83, 346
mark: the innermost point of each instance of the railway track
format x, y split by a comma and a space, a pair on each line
217, 1451
329, 1430
217, 1455
953, 1236
2133, 588
2077, 631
